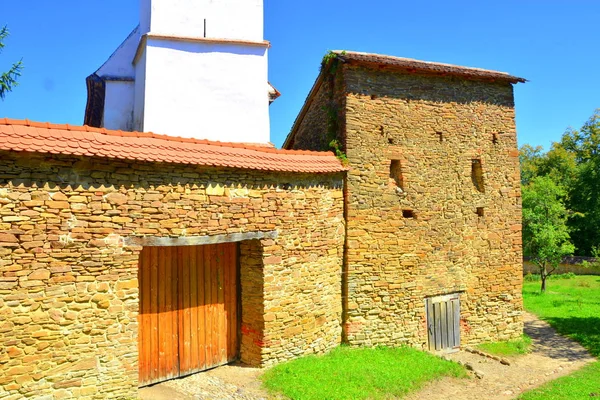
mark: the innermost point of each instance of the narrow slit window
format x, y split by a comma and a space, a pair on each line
479, 211
440, 136
495, 138
396, 174
408, 214
477, 175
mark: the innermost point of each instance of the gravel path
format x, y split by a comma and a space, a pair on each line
552, 356
227, 382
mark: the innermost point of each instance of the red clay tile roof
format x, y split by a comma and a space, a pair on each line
25, 135
412, 65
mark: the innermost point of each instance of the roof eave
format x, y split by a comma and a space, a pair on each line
431, 68
16, 135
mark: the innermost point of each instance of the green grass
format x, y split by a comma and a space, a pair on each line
582, 384
572, 307
508, 348
358, 373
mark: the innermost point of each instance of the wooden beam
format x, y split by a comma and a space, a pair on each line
133, 241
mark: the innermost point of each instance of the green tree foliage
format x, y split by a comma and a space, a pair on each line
574, 165
530, 159
545, 233
584, 190
8, 80
559, 164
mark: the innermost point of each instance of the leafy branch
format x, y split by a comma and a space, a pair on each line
331, 108
8, 80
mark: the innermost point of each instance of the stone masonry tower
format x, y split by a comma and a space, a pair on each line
433, 209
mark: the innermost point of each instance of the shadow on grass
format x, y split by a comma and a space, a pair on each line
586, 331
579, 302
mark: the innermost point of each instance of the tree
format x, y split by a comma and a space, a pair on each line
530, 159
584, 190
559, 163
574, 165
545, 234
8, 80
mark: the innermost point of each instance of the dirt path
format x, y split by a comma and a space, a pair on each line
227, 382
552, 356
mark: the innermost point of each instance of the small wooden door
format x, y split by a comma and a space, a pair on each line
443, 322
188, 319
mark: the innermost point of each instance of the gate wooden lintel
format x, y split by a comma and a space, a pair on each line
153, 241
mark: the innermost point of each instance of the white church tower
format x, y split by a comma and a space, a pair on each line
193, 68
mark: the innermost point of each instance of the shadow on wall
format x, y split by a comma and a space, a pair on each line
54, 172
411, 87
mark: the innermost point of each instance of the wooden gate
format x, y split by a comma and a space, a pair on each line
188, 319
443, 322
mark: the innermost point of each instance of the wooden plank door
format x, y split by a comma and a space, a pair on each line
443, 322
188, 319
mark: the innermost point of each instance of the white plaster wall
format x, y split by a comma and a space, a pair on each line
118, 105
139, 93
145, 16
228, 19
205, 91
119, 64
236, 19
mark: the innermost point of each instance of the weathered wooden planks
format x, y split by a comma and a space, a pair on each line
443, 322
188, 318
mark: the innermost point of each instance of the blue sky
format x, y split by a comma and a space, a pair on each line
552, 43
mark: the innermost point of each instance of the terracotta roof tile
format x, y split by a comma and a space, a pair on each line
413, 65
25, 135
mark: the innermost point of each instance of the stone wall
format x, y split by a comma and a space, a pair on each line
322, 116
418, 225
574, 266
68, 278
